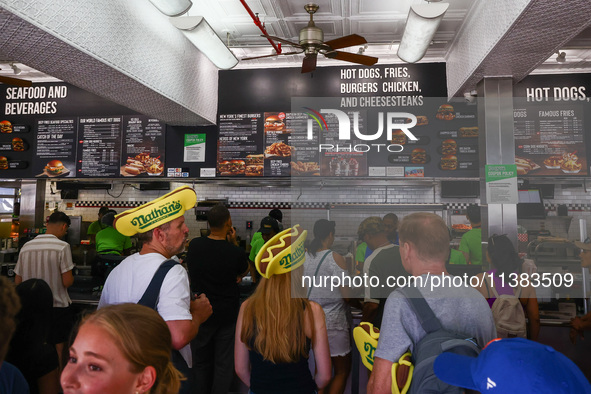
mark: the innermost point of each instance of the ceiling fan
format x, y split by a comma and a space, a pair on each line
312, 43
15, 81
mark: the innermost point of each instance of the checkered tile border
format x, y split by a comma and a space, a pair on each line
571, 207
110, 204
458, 205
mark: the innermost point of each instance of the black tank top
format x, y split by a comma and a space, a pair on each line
286, 378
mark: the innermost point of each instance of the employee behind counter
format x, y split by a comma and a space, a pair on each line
111, 246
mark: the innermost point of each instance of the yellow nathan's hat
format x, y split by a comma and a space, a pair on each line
282, 253
157, 212
366, 339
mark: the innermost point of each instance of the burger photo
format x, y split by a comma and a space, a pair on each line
5, 127
18, 145
449, 147
418, 156
445, 112
398, 137
224, 167
254, 170
3, 163
422, 120
273, 123
55, 167
237, 167
449, 163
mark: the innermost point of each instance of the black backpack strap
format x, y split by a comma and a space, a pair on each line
151, 294
422, 310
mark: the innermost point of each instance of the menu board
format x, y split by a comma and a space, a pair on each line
549, 115
55, 155
240, 151
348, 122
99, 147
143, 149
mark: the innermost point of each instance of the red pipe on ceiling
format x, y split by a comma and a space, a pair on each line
257, 22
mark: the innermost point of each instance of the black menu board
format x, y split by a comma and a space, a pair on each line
549, 115
240, 151
377, 102
99, 147
143, 148
55, 154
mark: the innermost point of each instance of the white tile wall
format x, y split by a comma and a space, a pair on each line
347, 219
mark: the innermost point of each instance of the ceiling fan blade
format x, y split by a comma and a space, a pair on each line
274, 54
309, 63
282, 40
352, 57
15, 81
346, 41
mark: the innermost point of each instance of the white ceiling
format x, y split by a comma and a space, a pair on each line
381, 22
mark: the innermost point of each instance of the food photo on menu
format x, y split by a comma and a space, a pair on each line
568, 163
279, 149
308, 168
142, 164
56, 168
254, 165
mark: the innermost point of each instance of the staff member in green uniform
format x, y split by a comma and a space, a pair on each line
471, 242
111, 241
97, 226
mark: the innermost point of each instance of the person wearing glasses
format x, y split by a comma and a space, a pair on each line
49, 258
505, 261
581, 324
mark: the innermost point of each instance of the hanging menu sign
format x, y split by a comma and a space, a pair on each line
548, 126
240, 151
99, 147
55, 153
143, 148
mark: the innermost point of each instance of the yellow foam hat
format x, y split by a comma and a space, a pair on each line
157, 212
402, 374
282, 253
366, 339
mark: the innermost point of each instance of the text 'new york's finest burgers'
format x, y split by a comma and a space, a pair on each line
449, 162
274, 123
55, 167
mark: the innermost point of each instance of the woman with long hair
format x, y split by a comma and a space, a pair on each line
276, 329
121, 348
504, 262
321, 262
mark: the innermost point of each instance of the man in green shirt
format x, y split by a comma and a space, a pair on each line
471, 242
97, 226
269, 227
111, 241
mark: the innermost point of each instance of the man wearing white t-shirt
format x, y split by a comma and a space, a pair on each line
129, 280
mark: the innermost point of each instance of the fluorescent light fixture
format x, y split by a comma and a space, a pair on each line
421, 25
198, 31
172, 7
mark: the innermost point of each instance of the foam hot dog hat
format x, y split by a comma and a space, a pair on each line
157, 212
282, 253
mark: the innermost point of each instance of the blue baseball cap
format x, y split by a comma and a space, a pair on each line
513, 365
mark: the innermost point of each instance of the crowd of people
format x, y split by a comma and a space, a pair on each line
167, 326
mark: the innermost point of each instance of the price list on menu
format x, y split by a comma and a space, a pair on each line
55, 141
239, 140
305, 160
99, 147
143, 148
549, 140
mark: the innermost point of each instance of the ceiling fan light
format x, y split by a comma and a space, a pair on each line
200, 33
172, 7
421, 25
